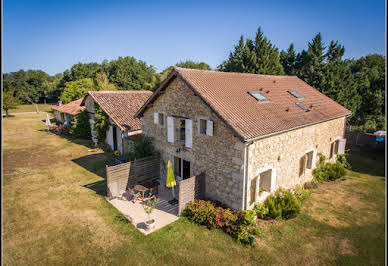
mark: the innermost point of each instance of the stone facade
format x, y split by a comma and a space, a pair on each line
229, 164
219, 156
282, 154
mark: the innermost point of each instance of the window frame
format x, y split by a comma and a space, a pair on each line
163, 118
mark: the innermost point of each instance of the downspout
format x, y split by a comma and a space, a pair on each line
245, 180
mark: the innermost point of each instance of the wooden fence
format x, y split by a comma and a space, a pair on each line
190, 189
126, 175
363, 139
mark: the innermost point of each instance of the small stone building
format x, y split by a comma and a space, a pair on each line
66, 112
120, 106
249, 134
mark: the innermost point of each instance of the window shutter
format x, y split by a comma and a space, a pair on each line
209, 127
156, 118
189, 133
170, 129
341, 146
253, 190
302, 164
331, 149
273, 180
314, 159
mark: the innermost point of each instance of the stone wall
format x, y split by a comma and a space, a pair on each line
282, 153
219, 156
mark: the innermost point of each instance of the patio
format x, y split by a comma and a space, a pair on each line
163, 214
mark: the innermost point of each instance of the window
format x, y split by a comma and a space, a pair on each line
182, 131
202, 126
181, 168
309, 159
253, 190
259, 96
161, 119
302, 107
302, 165
296, 94
265, 180
334, 148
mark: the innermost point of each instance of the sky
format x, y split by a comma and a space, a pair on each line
54, 35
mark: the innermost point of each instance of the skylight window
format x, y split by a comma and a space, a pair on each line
302, 107
259, 96
296, 94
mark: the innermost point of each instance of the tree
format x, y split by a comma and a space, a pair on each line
75, 90
288, 60
186, 64
259, 56
9, 101
101, 123
101, 82
81, 126
127, 73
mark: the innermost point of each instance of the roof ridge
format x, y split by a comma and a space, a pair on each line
121, 91
235, 73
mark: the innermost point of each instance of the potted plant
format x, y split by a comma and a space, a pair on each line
148, 207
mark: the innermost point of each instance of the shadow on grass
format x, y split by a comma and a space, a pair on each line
99, 187
367, 161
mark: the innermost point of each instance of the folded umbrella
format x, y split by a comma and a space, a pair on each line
170, 181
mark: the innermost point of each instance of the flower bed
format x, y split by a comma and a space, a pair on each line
239, 224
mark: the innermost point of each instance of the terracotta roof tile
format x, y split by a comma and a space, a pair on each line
121, 106
227, 94
71, 108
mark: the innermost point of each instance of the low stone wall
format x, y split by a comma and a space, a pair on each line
123, 176
190, 189
363, 139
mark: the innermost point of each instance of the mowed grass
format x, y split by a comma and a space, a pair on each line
30, 108
55, 213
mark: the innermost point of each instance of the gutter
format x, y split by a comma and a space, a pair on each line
293, 128
245, 178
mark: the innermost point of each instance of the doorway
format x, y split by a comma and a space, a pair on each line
114, 138
181, 168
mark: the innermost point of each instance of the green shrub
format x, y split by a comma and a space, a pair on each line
311, 184
329, 172
342, 159
261, 210
238, 224
142, 147
101, 123
301, 194
282, 205
81, 126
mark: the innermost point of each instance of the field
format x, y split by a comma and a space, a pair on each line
55, 212
30, 108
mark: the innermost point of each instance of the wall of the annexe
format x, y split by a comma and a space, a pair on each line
282, 153
219, 156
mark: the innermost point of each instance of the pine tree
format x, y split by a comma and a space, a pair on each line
288, 60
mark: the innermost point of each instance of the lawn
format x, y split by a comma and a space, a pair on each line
55, 213
30, 108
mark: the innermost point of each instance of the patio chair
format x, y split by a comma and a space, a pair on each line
134, 195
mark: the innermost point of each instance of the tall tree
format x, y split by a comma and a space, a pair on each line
259, 56
75, 90
186, 64
288, 60
9, 101
101, 82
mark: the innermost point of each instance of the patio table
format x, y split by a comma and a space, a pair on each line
141, 189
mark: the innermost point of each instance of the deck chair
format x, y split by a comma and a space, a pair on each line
134, 195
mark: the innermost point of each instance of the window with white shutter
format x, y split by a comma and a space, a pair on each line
189, 133
209, 128
170, 129
156, 118
341, 146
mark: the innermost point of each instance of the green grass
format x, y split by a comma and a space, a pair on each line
30, 108
55, 212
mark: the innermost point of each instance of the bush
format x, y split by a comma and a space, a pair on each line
142, 147
261, 210
101, 123
81, 126
329, 172
342, 160
311, 185
282, 205
301, 194
238, 224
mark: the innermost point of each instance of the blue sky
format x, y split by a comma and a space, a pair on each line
54, 35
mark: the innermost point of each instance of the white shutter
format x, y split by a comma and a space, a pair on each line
156, 118
189, 133
341, 146
209, 127
170, 129
314, 160
273, 180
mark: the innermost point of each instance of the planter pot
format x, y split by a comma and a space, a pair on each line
251, 240
150, 224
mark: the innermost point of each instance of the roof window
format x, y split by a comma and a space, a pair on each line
259, 96
296, 94
302, 107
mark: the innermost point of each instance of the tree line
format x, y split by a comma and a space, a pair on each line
357, 84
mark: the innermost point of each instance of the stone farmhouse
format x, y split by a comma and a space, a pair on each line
66, 112
249, 134
120, 106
